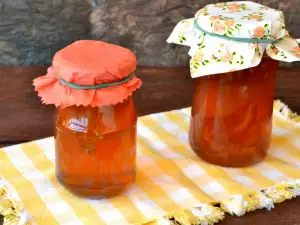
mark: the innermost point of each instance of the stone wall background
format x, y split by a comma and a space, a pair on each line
31, 31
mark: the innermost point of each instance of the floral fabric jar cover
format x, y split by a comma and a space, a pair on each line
225, 37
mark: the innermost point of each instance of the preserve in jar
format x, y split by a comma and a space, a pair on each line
91, 83
231, 117
235, 48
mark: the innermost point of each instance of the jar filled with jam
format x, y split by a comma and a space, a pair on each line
235, 48
91, 83
231, 118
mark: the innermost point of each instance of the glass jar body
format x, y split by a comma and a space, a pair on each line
231, 118
96, 148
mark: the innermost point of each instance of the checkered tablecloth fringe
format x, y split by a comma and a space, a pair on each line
14, 204
236, 205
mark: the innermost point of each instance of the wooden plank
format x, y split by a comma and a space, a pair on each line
23, 117
288, 87
286, 213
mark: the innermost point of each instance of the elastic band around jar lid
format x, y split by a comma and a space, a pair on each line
98, 86
245, 40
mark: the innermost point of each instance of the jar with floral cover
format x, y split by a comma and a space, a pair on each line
235, 48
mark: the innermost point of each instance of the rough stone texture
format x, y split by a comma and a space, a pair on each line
31, 31
144, 25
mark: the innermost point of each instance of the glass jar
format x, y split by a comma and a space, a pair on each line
91, 83
96, 148
231, 119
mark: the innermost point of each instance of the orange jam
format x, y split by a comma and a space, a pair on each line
91, 83
231, 119
96, 148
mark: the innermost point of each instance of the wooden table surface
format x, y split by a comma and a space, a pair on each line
287, 213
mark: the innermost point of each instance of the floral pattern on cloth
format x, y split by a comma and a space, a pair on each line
249, 21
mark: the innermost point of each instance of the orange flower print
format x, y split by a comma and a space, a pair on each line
259, 32
219, 27
227, 57
254, 17
220, 6
297, 51
198, 57
213, 18
229, 22
275, 50
234, 7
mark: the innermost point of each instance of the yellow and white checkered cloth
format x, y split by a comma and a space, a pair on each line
170, 178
